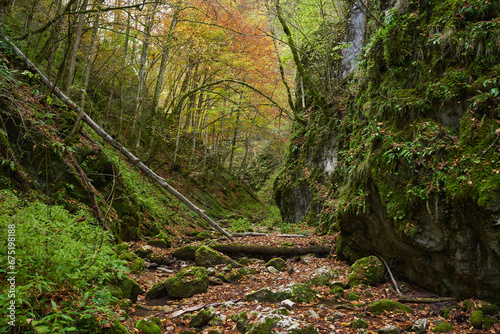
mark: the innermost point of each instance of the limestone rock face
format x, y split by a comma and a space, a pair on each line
408, 165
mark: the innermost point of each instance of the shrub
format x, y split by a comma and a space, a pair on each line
62, 266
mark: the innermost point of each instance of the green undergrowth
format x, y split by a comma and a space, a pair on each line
62, 264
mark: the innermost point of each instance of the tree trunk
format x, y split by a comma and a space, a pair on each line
74, 50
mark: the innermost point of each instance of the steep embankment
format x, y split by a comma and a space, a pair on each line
80, 171
407, 163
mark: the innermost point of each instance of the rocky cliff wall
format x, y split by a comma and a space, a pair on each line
417, 178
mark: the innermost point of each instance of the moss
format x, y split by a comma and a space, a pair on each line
208, 257
157, 291
368, 270
443, 327
352, 296
338, 291
358, 323
379, 307
202, 318
186, 252
121, 248
476, 319
147, 327
488, 322
277, 263
116, 328
244, 261
188, 282
130, 289
488, 309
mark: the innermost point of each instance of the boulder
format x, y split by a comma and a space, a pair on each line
188, 282
202, 318
298, 293
368, 270
380, 306
323, 276
186, 253
208, 257
129, 288
149, 326
277, 263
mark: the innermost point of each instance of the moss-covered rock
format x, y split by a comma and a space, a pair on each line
443, 327
186, 252
148, 327
323, 276
208, 257
368, 270
476, 319
388, 305
277, 263
157, 291
135, 263
129, 288
352, 296
358, 323
202, 317
298, 293
188, 282
488, 308
161, 240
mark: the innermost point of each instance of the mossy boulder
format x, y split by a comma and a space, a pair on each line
188, 282
148, 326
368, 270
358, 323
202, 318
208, 257
157, 291
352, 296
298, 293
277, 263
488, 309
129, 288
476, 319
135, 263
161, 240
143, 252
323, 276
443, 327
379, 307
185, 253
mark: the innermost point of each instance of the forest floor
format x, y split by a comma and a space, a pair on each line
329, 312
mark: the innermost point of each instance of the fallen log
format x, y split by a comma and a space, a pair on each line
271, 250
107, 138
260, 234
417, 300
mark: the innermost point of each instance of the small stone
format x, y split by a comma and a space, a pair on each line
388, 330
420, 326
313, 314
272, 270
288, 304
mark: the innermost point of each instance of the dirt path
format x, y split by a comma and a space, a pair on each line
329, 312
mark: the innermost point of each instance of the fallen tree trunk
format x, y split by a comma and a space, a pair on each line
271, 250
259, 234
104, 135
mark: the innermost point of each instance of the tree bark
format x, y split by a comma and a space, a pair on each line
107, 138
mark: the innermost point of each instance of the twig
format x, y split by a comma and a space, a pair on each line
392, 277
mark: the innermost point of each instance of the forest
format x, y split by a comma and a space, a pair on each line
263, 166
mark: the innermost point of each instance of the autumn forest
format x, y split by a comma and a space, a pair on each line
262, 166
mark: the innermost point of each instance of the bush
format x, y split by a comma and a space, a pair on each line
62, 268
